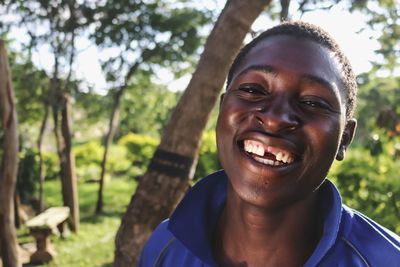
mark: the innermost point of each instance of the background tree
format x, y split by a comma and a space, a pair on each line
148, 116
64, 20
180, 142
30, 87
9, 163
149, 36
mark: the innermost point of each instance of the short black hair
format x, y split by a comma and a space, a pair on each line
314, 33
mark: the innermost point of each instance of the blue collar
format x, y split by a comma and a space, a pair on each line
194, 220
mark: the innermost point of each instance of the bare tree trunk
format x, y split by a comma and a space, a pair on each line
60, 145
17, 204
284, 9
60, 103
60, 148
55, 98
71, 181
109, 137
41, 161
8, 167
176, 157
114, 120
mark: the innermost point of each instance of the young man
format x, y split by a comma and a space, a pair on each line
286, 116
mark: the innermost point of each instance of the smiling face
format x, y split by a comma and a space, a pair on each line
282, 121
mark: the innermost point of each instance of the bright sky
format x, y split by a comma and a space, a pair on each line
345, 27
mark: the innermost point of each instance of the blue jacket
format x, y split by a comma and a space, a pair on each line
349, 238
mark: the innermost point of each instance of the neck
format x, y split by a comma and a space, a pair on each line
251, 236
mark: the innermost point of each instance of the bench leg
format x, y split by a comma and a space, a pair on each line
44, 250
63, 229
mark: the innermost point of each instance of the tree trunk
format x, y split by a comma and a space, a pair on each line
174, 162
8, 167
67, 164
146, 54
55, 98
71, 189
41, 161
62, 121
284, 15
17, 205
60, 148
109, 137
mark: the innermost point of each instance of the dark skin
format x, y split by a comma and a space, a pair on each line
282, 123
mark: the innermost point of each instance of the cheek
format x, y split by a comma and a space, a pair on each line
233, 112
226, 119
324, 140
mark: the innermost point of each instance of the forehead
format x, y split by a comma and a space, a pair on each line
297, 55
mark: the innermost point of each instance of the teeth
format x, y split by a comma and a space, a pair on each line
260, 151
257, 148
267, 161
285, 158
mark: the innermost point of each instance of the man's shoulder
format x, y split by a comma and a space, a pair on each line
157, 243
374, 243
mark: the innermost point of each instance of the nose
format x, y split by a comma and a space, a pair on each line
277, 116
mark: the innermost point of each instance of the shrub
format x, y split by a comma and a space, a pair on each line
28, 176
28, 173
88, 157
118, 160
51, 165
370, 184
208, 159
139, 150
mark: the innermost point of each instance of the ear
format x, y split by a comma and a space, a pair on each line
347, 138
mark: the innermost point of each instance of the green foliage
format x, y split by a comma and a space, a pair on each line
118, 162
148, 33
51, 165
140, 150
208, 158
88, 157
28, 173
30, 86
146, 107
28, 176
90, 108
371, 184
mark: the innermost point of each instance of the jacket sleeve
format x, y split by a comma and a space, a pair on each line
154, 246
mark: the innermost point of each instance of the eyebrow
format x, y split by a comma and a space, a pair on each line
272, 70
262, 68
318, 80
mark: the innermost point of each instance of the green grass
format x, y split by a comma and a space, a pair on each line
94, 244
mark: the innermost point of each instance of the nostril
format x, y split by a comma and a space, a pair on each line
292, 127
259, 121
277, 122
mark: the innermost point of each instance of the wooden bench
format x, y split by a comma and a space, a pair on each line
51, 221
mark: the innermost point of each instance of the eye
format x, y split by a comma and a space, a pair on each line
253, 89
316, 103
